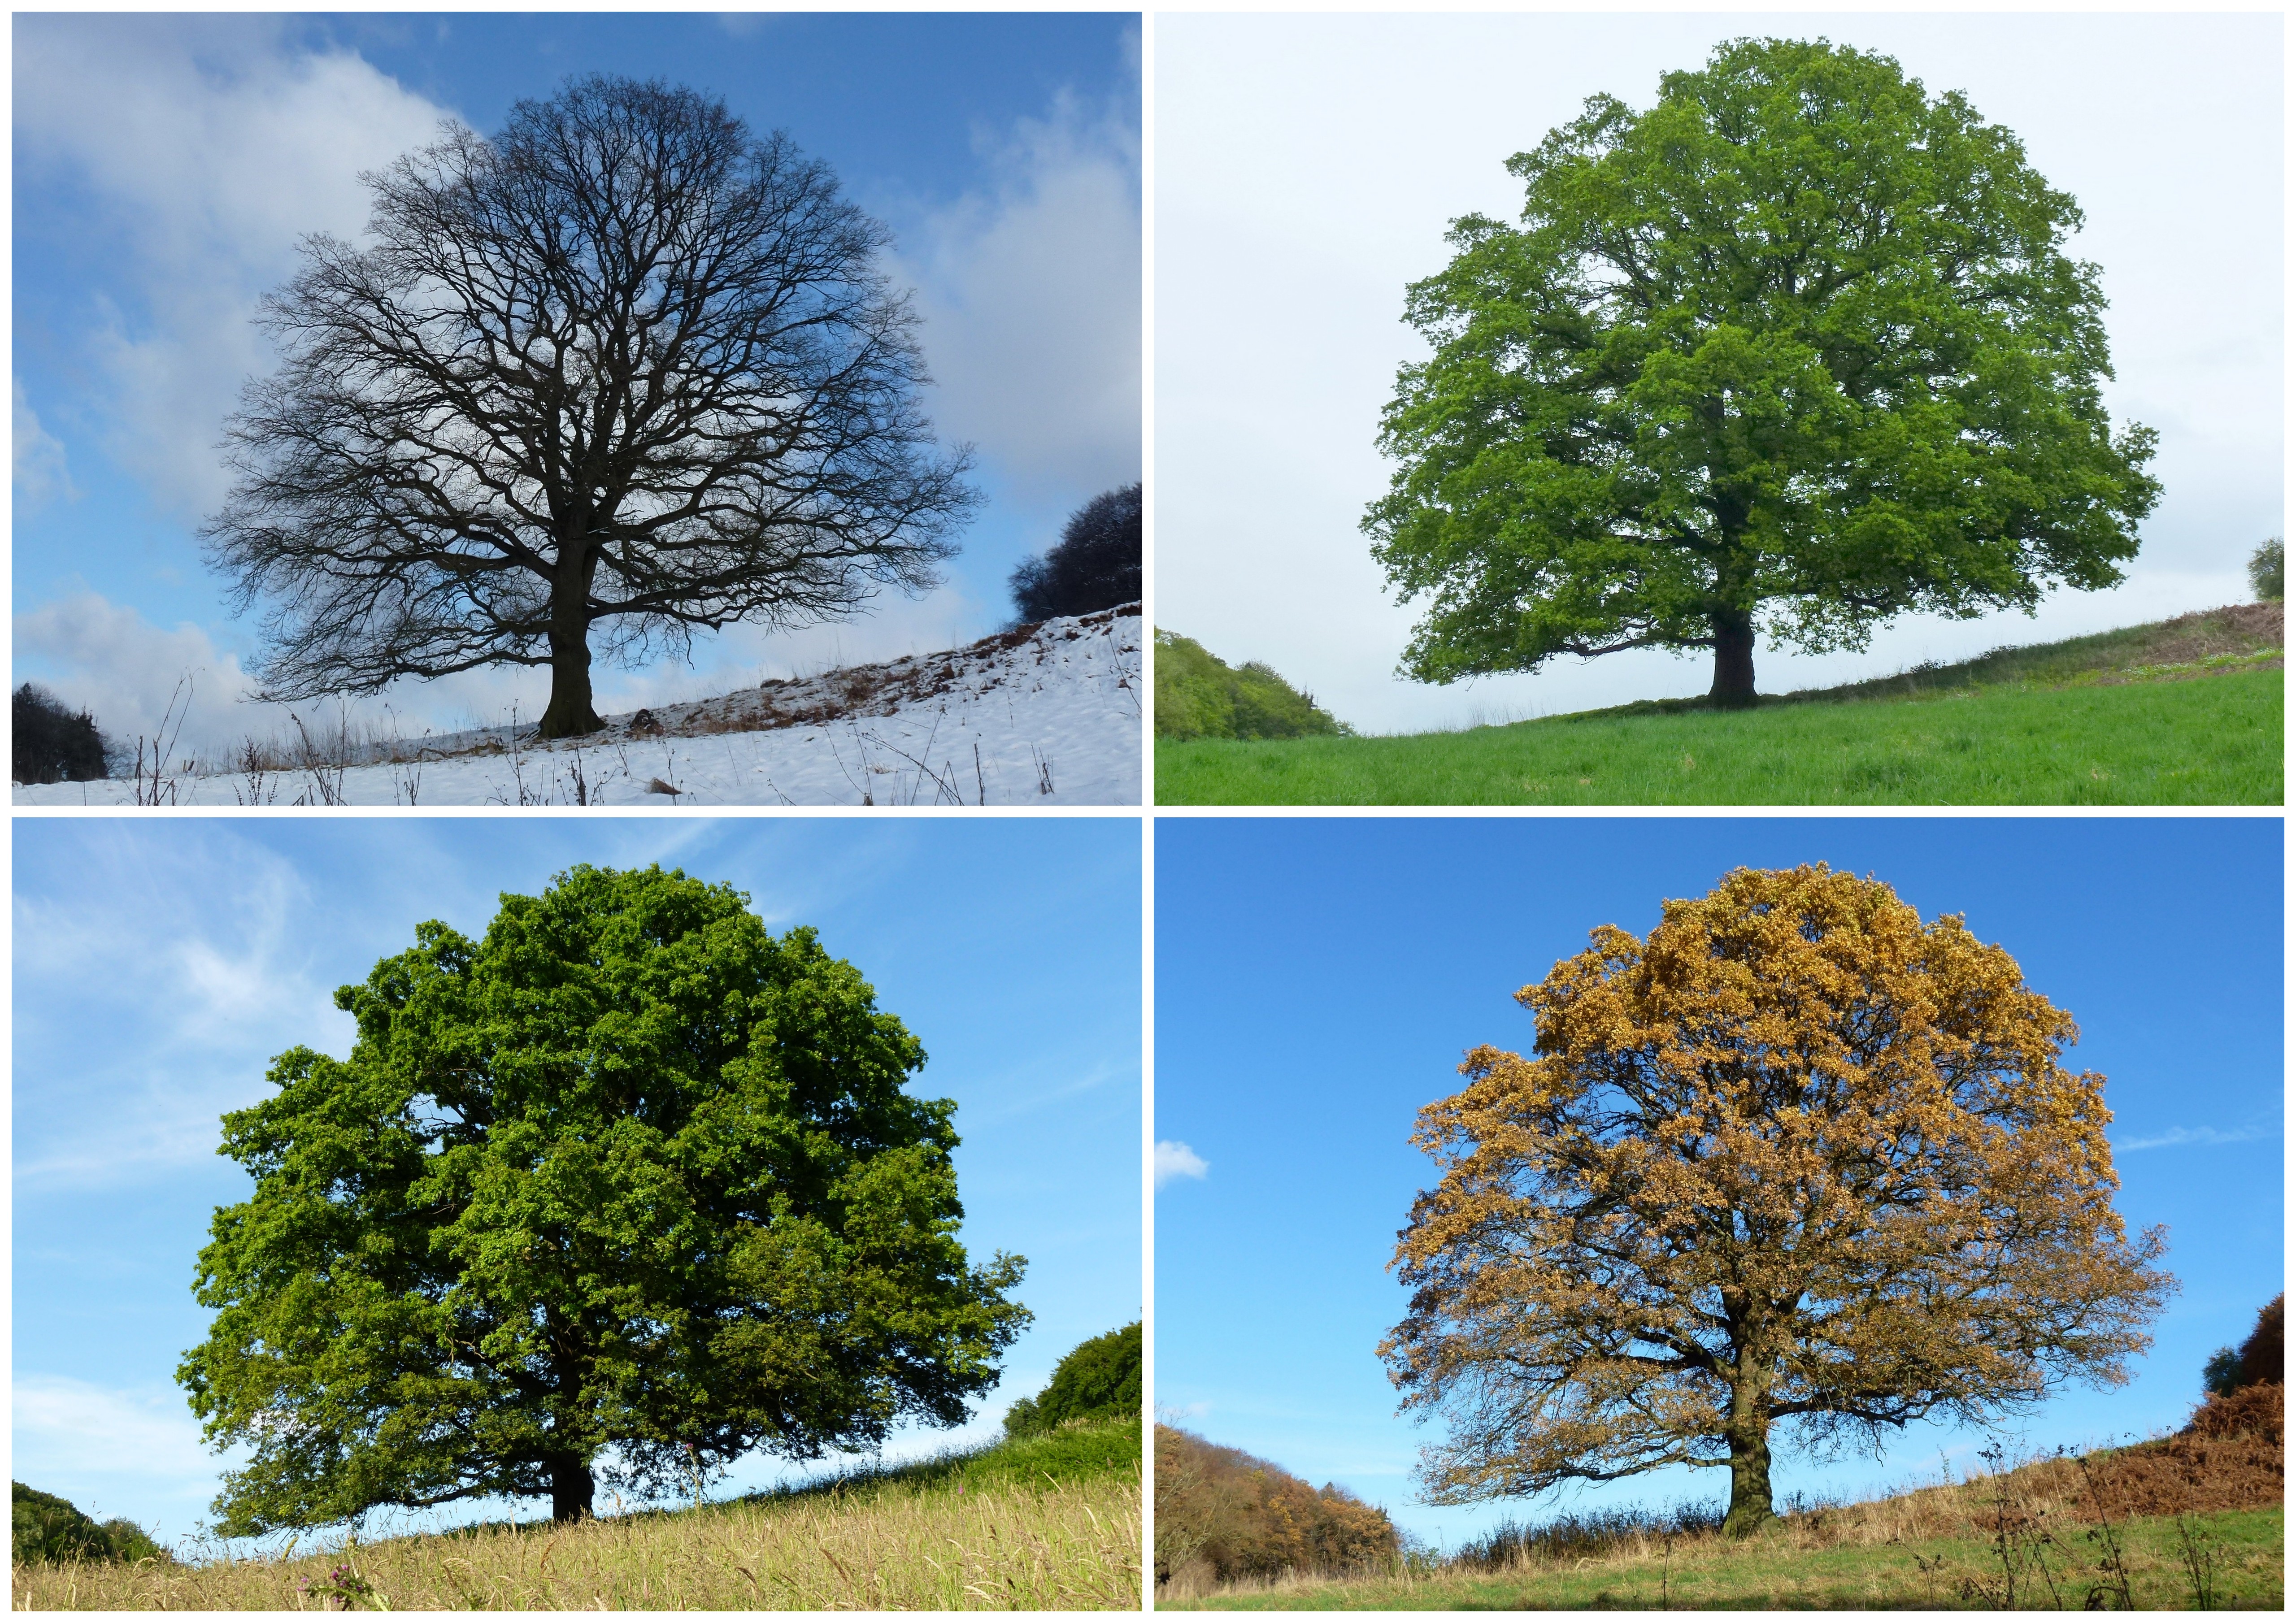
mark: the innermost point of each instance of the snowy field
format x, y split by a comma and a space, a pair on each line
1048, 715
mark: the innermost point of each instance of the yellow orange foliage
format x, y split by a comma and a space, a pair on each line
1799, 1157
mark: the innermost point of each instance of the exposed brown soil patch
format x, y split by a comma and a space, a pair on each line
2189, 639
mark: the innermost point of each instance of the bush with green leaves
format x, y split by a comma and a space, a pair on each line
2267, 571
1101, 1377
1199, 696
44, 1527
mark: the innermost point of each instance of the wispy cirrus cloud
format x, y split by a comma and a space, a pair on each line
2176, 1136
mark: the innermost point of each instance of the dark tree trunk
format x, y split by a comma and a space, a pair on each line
1734, 659
570, 1487
1750, 1487
570, 714
1750, 1472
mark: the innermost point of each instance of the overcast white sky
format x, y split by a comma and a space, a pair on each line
1307, 166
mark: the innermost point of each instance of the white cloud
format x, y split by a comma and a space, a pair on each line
1030, 291
211, 148
35, 456
62, 1428
1175, 1159
2190, 1136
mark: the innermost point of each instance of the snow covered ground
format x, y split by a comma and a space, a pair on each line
1046, 715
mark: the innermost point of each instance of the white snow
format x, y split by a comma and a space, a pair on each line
1046, 715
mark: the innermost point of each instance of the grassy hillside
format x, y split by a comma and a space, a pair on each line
2186, 712
1050, 1522
2191, 1522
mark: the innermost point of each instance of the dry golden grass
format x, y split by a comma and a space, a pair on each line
896, 1547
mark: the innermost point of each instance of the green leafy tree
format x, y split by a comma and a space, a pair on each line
2267, 571
1099, 1377
629, 1187
1794, 350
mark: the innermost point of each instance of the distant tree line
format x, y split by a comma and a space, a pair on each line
46, 1527
51, 743
1200, 696
1222, 1514
1094, 566
1099, 1378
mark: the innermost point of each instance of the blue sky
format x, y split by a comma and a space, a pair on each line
1317, 981
2166, 126
159, 966
165, 166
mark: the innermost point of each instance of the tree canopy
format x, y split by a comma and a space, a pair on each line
1796, 349
629, 1188
1798, 1158
1094, 566
1096, 1378
622, 367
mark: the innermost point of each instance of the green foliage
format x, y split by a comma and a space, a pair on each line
1794, 351
2267, 572
2212, 742
1098, 1378
1198, 695
629, 1173
44, 1527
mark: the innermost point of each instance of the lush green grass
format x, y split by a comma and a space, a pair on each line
1780, 1571
1043, 1523
2004, 739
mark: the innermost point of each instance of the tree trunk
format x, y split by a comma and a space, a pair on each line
1749, 1477
570, 714
1734, 659
570, 1487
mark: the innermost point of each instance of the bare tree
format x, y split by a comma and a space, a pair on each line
621, 366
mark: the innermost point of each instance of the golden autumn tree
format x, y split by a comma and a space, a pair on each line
1798, 1159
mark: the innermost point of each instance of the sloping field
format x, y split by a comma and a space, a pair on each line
1044, 715
2186, 711
1049, 1523
2193, 1522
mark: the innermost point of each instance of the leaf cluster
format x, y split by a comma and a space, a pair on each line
44, 1527
1199, 696
1096, 1379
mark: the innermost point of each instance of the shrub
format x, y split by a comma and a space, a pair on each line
1199, 696
2255, 1361
2266, 572
43, 1526
1095, 566
50, 744
1221, 1511
1099, 1377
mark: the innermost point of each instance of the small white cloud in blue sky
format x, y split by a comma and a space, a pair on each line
1175, 1160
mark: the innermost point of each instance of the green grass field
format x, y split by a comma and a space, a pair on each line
1781, 1571
1044, 1523
2187, 712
